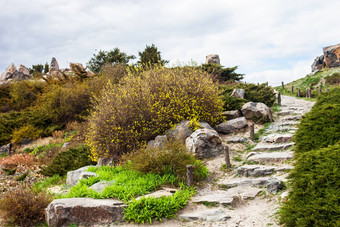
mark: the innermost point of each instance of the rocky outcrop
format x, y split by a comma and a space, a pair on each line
5, 149
12, 73
231, 114
318, 64
74, 176
204, 143
54, 66
238, 93
232, 125
332, 56
256, 111
212, 59
84, 212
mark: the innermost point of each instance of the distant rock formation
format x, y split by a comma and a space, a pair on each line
212, 58
12, 73
330, 58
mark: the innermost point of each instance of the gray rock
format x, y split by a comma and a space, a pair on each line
274, 185
54, 66
74, 176
12, 73
272, 147
204, 143
212, 59
277, 138
84, 212
5, 149
100, 186
232, 125
256, 111
159, 141
318, 64
159, 193
105, 161
65, 145
24, 70
255, 171
219, 197
183, 130
243, 182
291, 118
332, 56
205, 215
237, 140
231, 114
271, 156
238, 93
284, 113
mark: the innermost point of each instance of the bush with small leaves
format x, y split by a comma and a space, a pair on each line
28, 132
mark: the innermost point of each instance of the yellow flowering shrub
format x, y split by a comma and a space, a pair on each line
139, 108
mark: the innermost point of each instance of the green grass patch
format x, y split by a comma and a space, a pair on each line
49, 182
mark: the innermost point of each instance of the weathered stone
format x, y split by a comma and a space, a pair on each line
255, 171
244, 182
274, 185
256, 111
212, 59
291, 118
84, 212
232, 125
100, 186
287, 123
271, 156
204, 143
11, 68
90, 73
105, 161
24, 70
277, 138
332, 56
219, 197
54, 66
238, 93
237, 140
272, 147
205, 215
5, 149
74, 176
65, 145
78, 69
159, 141
159, 193
318, 64
231, 114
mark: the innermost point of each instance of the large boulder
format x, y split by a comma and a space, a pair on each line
12, 73
159, 141
54, 66
257, 111
231, 114
204, 143
5, 149
84, 212
73, 177
238, 93
318, 64
212, 59
232, 125
332, 56
24, 70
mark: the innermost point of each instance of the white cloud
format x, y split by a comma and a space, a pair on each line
267, 39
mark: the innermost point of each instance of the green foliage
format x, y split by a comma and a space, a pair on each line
149, 209
37, 68
315, 183
28, 132
114, 56
222, 74
151, 56
139, 108
321, 126
22, 207
44, 148
172, 158
255, 93
333, 79
46, 68
123, 184
48, 182
68, 160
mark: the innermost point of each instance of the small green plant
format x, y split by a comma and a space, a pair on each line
237, 158
262, 131
48, 182
22, 177
209, 204
41, 149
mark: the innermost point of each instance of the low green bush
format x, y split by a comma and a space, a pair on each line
68, 160
172, 158
48, 182
314, 183
149, 209
23, 207
28, 132
333, 79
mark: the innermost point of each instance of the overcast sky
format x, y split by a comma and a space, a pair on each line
272, 40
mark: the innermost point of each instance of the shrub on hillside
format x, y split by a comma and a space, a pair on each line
15, 160
333, 79
71, 159
128, 115
321, 126
172, 158
23, 207
28, 132
314, 196
255, 93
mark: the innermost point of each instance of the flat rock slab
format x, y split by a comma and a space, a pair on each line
84, 211
291, 118
278, 138
219, 197
243, 182
287, 123
271, 156
272, 147
159, 193
205, 215
232, 125
237, 140
255, 171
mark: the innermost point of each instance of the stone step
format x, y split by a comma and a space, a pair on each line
260, 171
205, 215
270, 157
272, 147
277, 138
84, 212
287, 123
231, 196
291, 118
269, 182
